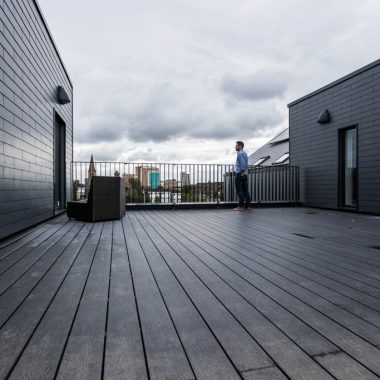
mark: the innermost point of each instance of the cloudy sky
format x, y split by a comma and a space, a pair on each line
182, 80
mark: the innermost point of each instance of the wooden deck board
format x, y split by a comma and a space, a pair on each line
193, 294
124, 351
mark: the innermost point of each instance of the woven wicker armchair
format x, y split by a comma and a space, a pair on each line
106, 201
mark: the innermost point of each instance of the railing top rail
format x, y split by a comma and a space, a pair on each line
177, 163
150, 163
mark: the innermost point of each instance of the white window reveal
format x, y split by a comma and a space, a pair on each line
282, 159
260, 160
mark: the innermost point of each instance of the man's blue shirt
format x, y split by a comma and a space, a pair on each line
241, 162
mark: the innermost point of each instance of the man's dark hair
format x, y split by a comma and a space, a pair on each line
240, 143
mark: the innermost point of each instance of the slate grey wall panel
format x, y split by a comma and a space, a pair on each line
30, 71
353, 100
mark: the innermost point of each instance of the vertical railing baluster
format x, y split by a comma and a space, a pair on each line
177, 184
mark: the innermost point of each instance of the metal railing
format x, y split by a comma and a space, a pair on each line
267, 184
189, 183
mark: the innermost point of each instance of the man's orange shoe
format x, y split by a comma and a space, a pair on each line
239, 209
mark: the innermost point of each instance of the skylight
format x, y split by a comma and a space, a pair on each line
260, 160
282, 159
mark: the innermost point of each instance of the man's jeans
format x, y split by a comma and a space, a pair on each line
241, 183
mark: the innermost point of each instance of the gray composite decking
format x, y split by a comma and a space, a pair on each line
194, 294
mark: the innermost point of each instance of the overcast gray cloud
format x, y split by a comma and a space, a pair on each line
181, 80
170, 111
258, 86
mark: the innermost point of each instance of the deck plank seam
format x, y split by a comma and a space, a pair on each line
108, 303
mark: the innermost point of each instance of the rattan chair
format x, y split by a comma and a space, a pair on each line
106, 201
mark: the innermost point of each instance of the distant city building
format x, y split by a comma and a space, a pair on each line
154, 180
274, 152
128, 178
185, 179
143, 175
170, 184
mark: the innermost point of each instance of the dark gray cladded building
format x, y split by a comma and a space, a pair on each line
36, 119
335, 140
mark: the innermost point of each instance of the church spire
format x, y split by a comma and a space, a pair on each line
91, 173
91, 168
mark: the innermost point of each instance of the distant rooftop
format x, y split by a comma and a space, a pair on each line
284, 135
274, 152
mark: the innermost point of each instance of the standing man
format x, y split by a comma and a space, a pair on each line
241, 178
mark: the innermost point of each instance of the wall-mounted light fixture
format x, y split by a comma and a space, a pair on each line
62, 96
324, 117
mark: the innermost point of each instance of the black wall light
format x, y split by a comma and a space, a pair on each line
62, 96
324, 117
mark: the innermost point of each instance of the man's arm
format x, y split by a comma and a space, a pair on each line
241, 163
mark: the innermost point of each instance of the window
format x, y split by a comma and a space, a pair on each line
348, 164
260, 160
282, 159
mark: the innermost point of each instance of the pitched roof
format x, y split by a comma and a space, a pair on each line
273, 150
